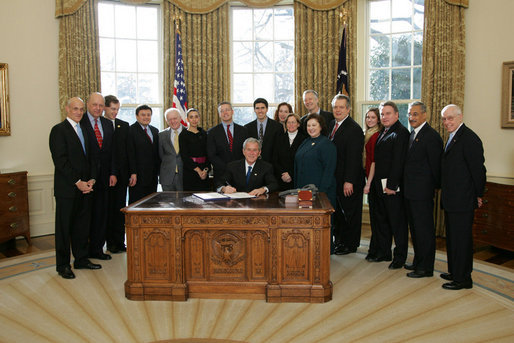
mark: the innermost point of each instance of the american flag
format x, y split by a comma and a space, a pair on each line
342, 71
179, 85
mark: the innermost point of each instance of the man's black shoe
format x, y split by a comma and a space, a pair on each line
409, 266
419, 274
395, 265
380, 259
457, 285
345, 251
116, 249
370, 257
446, 276
87, 265
66, 273
100, 256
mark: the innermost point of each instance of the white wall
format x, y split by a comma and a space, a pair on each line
29, 45
489, 43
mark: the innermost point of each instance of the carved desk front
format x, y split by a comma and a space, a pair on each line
180, 246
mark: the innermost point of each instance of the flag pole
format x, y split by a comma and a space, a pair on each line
179, 85
342, 71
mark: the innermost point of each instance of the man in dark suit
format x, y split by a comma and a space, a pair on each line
250, 174
100, 133
144, 145
348, 138
463, 180
225, 141
311, 100
74, 178
172, 168
390, 151
124, 170
421, 175
265, 129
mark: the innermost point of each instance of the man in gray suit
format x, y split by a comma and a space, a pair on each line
170, 175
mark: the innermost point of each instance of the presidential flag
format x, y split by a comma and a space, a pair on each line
179, 85
342, 71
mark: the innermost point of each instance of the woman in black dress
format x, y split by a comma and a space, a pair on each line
193, 150
287, 144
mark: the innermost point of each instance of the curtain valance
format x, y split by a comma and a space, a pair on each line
67, 7
461, 3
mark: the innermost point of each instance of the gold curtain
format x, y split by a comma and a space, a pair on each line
79, 54
317, 42
66, 7
205, 49
443, 76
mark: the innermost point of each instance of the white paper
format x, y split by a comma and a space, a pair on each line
211, 196
239, 195
384, 185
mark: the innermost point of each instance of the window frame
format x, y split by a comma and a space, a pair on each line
157, 108
248, 106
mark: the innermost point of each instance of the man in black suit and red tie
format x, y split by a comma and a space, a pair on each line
348, 138
311, 102
144, 146
250, 174
74, 178
463, 180
100, 133
265, 129
225, 141
124, 170
390, 152
421, 177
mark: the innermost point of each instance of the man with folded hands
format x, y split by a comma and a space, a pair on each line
251, 174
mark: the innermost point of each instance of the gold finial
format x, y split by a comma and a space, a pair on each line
343, 16
177, 18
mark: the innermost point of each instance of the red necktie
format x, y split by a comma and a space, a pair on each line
230, 138
334, 131
98, 134
147, 135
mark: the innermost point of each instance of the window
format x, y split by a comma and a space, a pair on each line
262, 58
130, 57
395, 45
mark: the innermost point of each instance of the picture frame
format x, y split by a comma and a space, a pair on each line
508, 95
5, 118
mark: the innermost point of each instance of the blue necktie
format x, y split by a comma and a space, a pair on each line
449, 141
81, 137
248, 174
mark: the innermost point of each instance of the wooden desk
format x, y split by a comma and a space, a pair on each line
179, 247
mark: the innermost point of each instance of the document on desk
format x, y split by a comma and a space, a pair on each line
211, 196
240, 195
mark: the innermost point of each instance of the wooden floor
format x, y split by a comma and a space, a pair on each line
485, 253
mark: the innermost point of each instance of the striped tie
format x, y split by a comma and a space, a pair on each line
98, 134
230, 138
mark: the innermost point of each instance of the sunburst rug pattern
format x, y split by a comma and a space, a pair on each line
370, 304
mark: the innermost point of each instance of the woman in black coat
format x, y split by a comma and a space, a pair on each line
285, 151
193, 150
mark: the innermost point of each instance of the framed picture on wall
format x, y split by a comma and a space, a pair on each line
5, 119
508, 95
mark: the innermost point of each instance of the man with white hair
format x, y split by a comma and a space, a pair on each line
463, 177
170, 175
311, 102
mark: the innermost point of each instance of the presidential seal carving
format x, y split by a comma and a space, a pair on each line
227, 248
